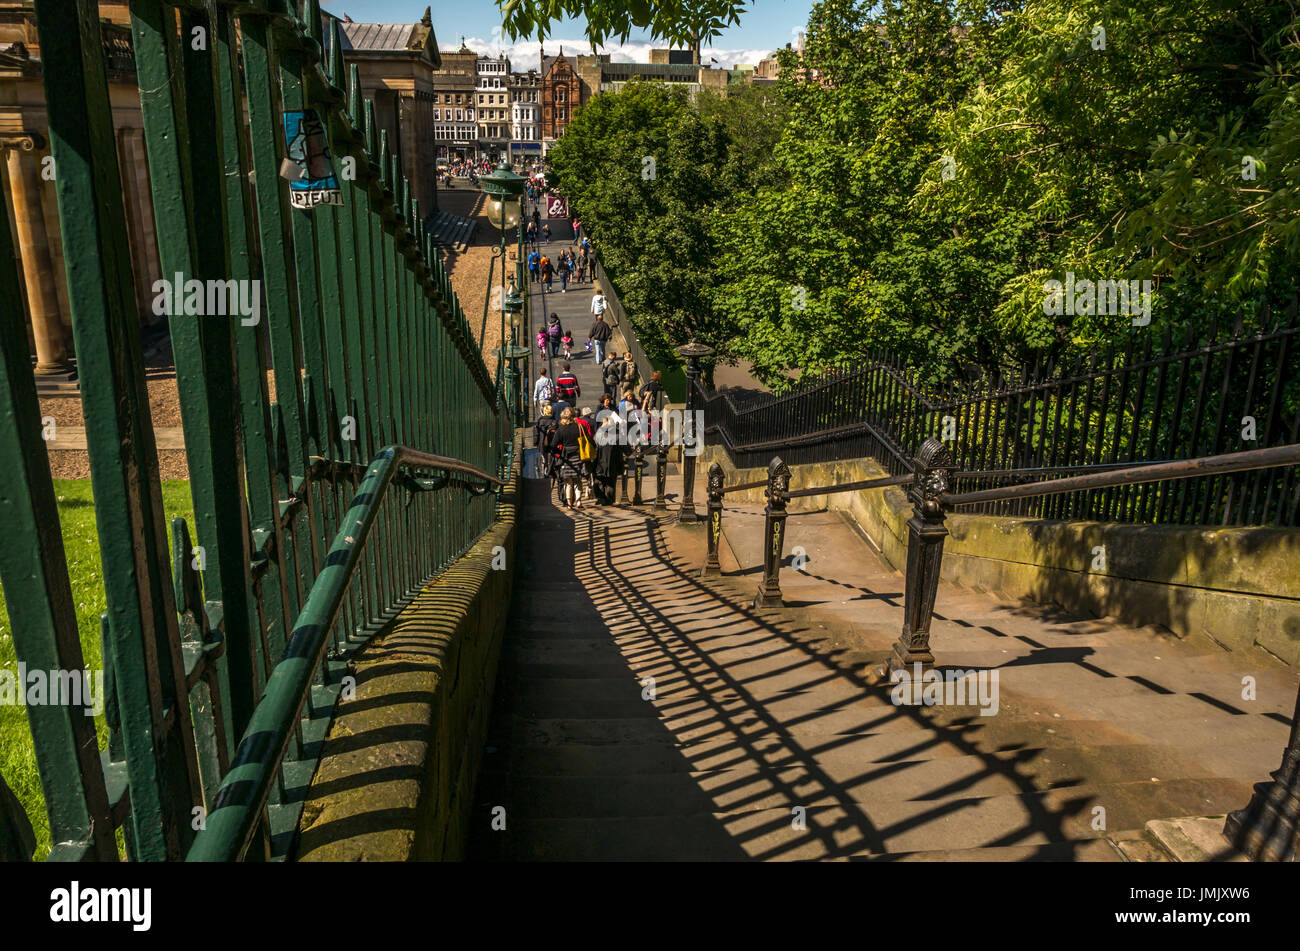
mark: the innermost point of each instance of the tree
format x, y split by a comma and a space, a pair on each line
675, 23
648, 169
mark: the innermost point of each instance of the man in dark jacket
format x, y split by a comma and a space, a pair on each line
612, 376
599, 335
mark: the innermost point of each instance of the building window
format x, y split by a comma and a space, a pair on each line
559, 114
560, 93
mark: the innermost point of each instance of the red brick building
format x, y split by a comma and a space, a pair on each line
561, 96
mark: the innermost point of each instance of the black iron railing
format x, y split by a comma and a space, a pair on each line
1266, 829
1151, 402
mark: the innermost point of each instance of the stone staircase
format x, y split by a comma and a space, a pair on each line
766, 735
450, 231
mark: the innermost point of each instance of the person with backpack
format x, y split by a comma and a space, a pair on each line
612, 375
566, 384
534, 262
600, 331
543, 437
628, 379
556, 333
543, 389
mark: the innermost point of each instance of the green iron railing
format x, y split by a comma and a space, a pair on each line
312, 417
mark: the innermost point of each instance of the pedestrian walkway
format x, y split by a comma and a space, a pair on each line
574, 311
645, 713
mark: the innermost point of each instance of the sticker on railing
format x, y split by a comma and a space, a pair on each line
309, 166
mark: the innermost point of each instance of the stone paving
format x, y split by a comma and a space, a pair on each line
767, 736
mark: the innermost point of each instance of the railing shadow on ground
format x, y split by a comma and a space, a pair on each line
932, 473
649, 600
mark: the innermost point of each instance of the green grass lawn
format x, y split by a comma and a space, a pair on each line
81, 548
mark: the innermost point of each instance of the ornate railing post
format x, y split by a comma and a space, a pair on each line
622, 479
693, 352
711, 564
778, 484
925, 535
1268, 829
638, 464
661, 467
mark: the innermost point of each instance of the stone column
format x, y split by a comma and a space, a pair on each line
34, 249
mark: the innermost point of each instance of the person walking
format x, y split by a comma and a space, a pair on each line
611, 455
547, 271
581, 265
534, 264
555, 332
566, 384
612, 375
544, 436
600, 332
543, 389
546, 232
652, 392
567, 453
628, 379
588, 423
563, 270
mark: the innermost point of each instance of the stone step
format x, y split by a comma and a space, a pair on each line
841, 829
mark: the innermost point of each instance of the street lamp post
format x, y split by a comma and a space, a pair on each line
512, 303
505, 209
693, 352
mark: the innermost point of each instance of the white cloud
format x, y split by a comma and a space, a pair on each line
524, 54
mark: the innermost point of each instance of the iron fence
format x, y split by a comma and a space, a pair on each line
310, 419
1163, 399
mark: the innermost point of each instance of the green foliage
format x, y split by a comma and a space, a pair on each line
648, 170
940, 160
676, 23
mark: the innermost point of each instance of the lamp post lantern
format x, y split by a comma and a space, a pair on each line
692, 352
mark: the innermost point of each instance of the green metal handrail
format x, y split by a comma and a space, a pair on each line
357, 343
237, 808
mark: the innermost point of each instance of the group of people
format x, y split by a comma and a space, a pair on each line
554, 337
584, 453
569, 267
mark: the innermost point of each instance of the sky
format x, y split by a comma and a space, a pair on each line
765, 26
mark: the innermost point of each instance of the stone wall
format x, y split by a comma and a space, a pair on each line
396, 779
1238, 586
